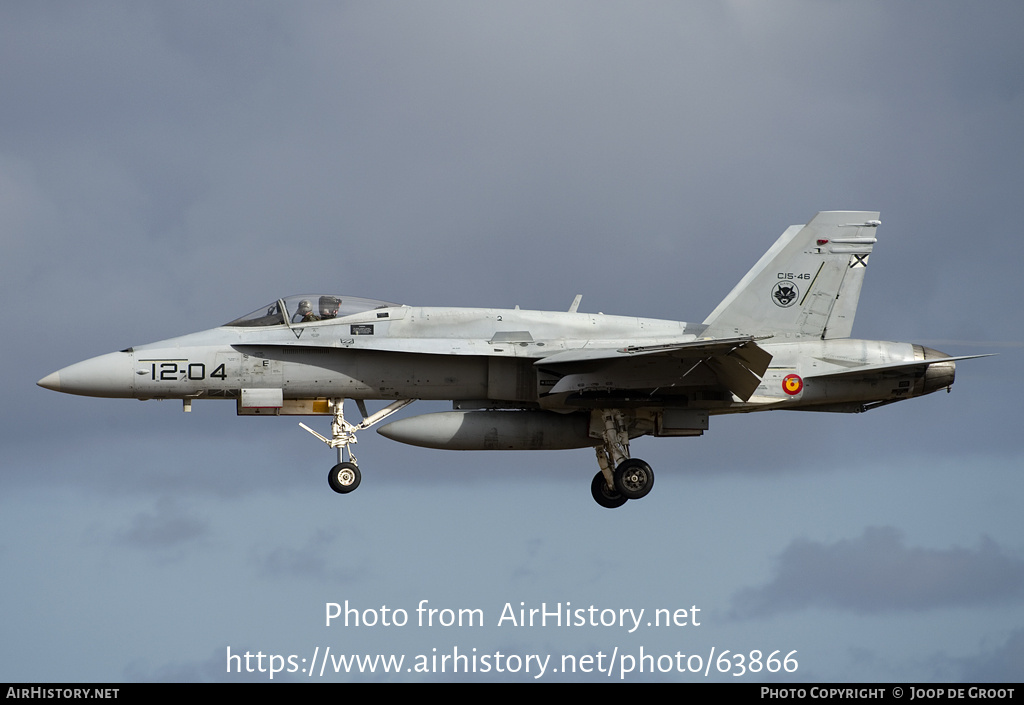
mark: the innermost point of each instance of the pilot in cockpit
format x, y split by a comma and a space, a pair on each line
305, 312
329, 306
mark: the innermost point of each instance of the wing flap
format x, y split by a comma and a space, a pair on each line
734, 375
736, 363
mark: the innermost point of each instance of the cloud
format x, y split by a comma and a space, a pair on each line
168, 526
1001, 664
878, 573
993, 661
314, 559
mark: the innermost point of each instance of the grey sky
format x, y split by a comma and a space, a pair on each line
876, 572
165, 168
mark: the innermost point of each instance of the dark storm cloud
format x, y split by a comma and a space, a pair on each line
878, 573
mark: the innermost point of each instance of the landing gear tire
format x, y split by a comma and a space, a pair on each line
607, 498
344, 477
634, 478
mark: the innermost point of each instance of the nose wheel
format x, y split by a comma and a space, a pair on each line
345, 476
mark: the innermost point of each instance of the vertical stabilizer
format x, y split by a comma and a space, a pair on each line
806, 286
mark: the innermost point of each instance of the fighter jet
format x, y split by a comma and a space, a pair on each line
546, 380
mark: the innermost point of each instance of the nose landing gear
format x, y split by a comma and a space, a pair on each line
345, 476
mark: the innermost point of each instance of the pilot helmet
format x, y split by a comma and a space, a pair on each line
329, 306
305, 307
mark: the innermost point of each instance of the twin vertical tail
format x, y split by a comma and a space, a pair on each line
806, 286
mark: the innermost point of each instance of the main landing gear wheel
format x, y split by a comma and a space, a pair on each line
633, 478
621, 478
344, 477
606, 497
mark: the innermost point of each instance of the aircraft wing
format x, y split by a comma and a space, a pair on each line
736, 363
690, 348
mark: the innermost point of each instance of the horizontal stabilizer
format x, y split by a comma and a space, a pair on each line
893, 366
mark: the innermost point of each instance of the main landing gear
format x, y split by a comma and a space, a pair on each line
631, 478
345, 476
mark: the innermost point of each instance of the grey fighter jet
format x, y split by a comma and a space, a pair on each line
545, 380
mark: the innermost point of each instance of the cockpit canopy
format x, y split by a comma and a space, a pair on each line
307, 308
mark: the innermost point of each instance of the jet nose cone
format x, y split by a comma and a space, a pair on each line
50, 381
108, 375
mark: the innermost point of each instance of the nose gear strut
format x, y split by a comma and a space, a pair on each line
345, 476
